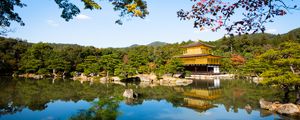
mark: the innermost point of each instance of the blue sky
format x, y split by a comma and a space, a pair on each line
97, 27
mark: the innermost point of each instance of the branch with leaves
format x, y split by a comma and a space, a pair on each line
215, 14
127, 8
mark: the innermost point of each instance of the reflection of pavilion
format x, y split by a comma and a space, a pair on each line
201, 93
206, 84
209, 89
197, 104
208, 94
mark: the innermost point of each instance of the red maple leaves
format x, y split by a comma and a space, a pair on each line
214, 14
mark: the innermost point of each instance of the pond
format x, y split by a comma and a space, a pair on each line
26, 99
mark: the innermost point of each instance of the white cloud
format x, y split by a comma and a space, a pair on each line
271, 31
52, 23
82, 17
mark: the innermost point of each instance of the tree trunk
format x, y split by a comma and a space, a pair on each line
64, 74
292, 68
256, 75
126, 75
286, 98
107, 75
53, 80
231, 50
297, 94
54, 72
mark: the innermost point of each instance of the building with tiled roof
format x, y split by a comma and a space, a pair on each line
197, 58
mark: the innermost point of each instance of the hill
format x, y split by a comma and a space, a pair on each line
157, 43
153, 44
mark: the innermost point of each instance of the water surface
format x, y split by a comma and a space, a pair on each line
46, 99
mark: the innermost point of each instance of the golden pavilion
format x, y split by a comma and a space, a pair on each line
198, 58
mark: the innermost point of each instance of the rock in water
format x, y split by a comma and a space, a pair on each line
103, 79
248, 108
289, 109
147, 77
116, 79
265, 104
128, 93
275, 106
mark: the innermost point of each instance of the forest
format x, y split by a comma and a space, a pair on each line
19, 57
249, 54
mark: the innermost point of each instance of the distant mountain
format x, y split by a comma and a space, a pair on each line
294, 34
157, 43
295, 31
134, 45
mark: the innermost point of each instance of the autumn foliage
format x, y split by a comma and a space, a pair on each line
237, 59
214, 14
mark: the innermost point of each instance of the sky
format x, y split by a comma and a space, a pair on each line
97, 28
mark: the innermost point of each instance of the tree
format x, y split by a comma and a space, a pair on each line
255, 67
10, 54
237, 59
138, 56
284, 66
34, 59
174, 65
124, 70
109, 63
127, 8
57, 63
90, 65
8, 14
214, 14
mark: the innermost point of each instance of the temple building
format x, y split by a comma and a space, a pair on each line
198, 58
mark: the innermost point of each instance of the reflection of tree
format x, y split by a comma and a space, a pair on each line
132, 102
104, 109
233, 94
38, 105
159, 93
17, 94
236, 94
7, 109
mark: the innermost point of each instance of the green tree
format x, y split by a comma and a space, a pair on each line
138, 57
284, 67
174, 65
10, 54
73, 56
90, 65
57, 63
124, 70
34, 59
255, 67
109, 63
